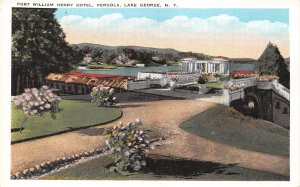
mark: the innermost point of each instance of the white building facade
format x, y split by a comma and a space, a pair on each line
216, 64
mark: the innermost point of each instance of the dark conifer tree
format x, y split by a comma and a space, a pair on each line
271, 62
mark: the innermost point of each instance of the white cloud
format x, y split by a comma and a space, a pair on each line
222, 23
221, 28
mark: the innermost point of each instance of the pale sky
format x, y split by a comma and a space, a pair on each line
225, 32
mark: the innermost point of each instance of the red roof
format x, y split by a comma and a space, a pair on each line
80, 74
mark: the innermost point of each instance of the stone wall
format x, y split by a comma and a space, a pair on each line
271, 106
281, 110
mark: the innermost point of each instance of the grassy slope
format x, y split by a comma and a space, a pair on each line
163, 168
75, 114
244, 132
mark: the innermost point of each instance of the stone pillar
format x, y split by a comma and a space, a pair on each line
226, 97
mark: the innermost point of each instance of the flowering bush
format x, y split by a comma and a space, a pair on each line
103, 96
233, 87
242, 74
174, 78
218, 74
174, 72
129, 146
267, 78
204, 77
37, 102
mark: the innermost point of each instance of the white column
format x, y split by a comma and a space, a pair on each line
221, 67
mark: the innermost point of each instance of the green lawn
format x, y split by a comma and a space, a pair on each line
216, 85
163, 168
75, 114
218, 124
101, 66
192, 87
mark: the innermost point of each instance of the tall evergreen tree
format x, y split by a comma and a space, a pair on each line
38, 47
271, 62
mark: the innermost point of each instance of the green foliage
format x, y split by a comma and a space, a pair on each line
129, 146
38, 47
271, 62
147, 56
215, 85
103, 96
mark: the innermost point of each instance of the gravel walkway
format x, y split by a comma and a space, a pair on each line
161, 117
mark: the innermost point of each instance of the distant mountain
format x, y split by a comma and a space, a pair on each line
243, 60
139, 48
169, 53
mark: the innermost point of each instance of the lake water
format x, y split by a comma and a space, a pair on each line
239, 67
133, 71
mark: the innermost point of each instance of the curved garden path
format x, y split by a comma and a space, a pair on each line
163, 117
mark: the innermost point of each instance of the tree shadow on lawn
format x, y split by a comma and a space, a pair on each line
129, 105
163, 168
92, 131
187, 169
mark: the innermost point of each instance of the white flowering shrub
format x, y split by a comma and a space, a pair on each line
37, 102
103, 96
129, 146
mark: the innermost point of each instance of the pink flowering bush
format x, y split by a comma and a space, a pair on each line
37, 102
174, 78
233, 87
103, 96
267, 78
129, 146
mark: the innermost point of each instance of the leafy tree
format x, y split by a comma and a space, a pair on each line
86, 49
77, 54
96, 54
38, 48
271, 62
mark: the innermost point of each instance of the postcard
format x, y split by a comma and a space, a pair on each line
150, 93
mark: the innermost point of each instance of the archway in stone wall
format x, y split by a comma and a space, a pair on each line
252, 105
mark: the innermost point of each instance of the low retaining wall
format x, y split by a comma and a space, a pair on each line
232, 95
137, 85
